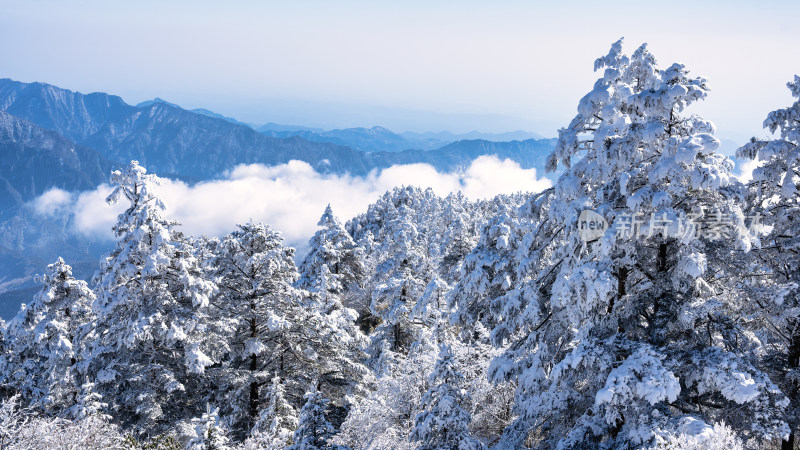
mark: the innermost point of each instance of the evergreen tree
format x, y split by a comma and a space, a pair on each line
444, 423
489, 272
256, 273
333, 248
278, 330
44, 340
89, 403
775, 284
314, 430
395, 298
209, 434
612, 339
145, 350
277, 422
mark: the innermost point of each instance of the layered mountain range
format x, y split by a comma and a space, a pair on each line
53, 137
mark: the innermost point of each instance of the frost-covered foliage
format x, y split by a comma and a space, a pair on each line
690, 433
385, 418
443, 422
44, 341
209, 434
314, 430
606, 339
775, 264
21, 429
145, 350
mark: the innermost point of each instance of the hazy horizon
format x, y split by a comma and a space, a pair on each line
490, 67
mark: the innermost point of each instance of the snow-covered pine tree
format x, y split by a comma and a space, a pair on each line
314, 431
334, 248
145, 350
775, 287
334, 272
612, 340
395, 298
277, 422
459, 236
278, 330
443, 422
489, 271
89, 403
209, 433
256, 273
43, 341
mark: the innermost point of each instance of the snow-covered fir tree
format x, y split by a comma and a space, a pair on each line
277, 422
332, 249
256, 273
89, 403
44, 341
395, 298
489, 271
443, 422
145, 352
613, 340
209, 433
314, 432
278, 330
775, 282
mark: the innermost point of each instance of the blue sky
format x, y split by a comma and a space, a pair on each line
412, 65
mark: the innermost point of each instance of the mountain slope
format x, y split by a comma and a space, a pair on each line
74, 115
33, 160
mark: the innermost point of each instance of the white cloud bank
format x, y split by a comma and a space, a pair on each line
289, 197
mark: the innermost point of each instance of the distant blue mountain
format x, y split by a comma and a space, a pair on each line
171, 141
375, 139
380, 139
147, 103
446, 136
34, 160
201, 111
269, 128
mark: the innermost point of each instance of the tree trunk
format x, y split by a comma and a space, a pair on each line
253, 401
662, 257
794, 362
794, 345
253, 391
788, 444
622, 277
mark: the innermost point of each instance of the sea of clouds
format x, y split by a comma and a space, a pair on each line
289, 197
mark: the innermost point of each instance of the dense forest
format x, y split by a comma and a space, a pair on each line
671, 319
